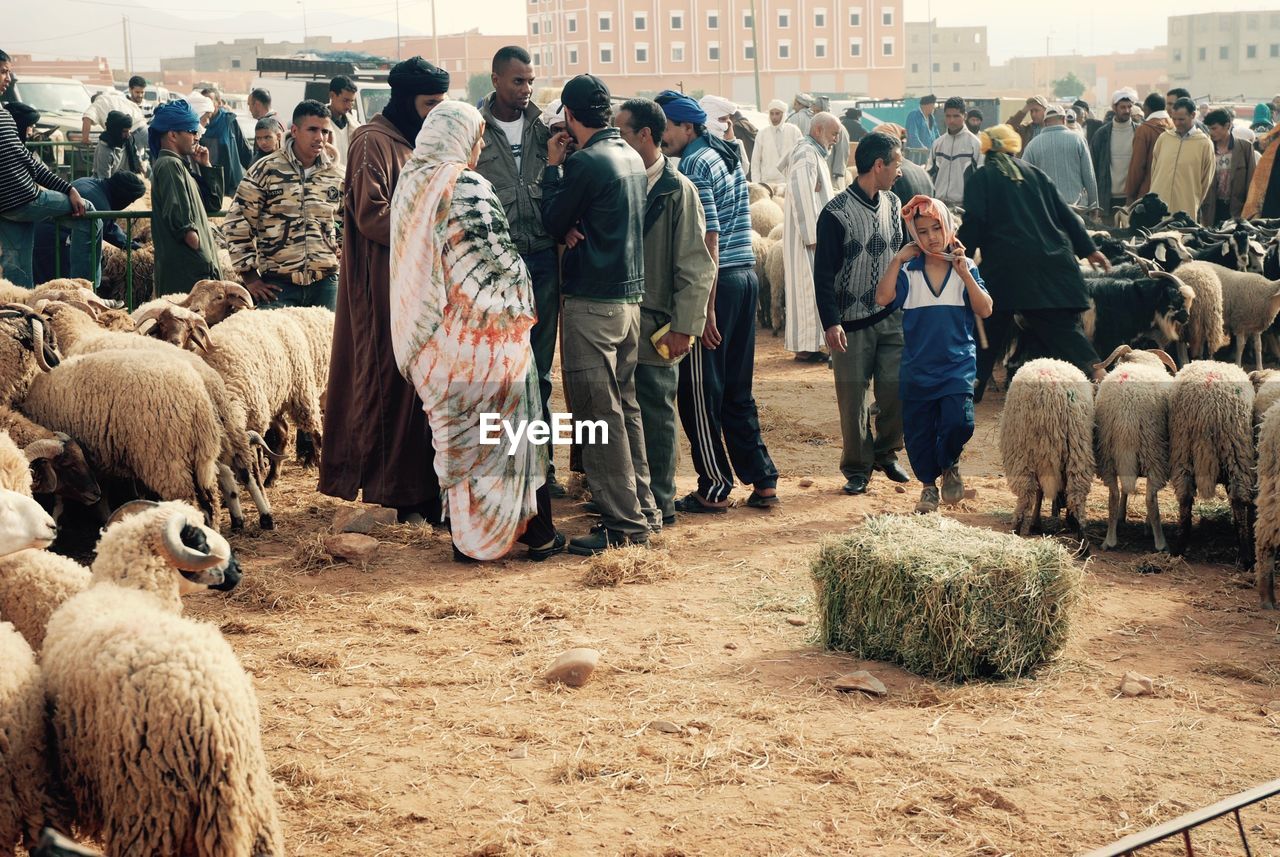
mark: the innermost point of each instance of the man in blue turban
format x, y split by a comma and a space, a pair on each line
182, 196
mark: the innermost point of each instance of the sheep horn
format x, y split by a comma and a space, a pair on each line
1165, 359
1121, 350
240, 296
152, 315
255, 439
133, 507
44, 448
182, 556
42, 352
200, 333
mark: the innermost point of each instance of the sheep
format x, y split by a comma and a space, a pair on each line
58, 463
760, 249
1266, 391
1250, 303
775, 269
82, 336
1131, 414
138, 417
775, 234
1266, 529
765, 215
1211, 442
1046, 440
155, 721
317, 324
757, 191
174, 324
1204, 333
24, 788
27, 348
213, 299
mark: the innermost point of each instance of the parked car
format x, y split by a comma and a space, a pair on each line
60, 100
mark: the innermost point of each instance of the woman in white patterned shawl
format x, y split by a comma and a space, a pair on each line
461, 311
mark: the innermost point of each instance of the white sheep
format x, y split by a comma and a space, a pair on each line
27, 348
765, 215
775, 234
1204, 332
213, 299
155, 721
1046, 440
1211, 442
757, 191
1266, 391
1131, 413
775, 268
760, 249
1249, 305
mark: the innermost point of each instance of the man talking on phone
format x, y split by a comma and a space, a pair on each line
182, 196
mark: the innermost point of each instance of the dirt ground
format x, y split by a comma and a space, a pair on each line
403, 710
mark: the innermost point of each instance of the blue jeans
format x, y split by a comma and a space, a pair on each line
935, 431
18, 232
320, 293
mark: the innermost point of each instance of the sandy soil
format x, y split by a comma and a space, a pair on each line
403, 711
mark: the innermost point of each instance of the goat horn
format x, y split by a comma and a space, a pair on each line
181, 555
133, 507
1165, 359
256, 440
44, 448
1121, 350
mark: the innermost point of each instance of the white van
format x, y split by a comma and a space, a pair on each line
293, 80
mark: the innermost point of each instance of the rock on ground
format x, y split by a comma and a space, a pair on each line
352, 547
574, 667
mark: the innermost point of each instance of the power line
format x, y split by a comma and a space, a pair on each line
64, 36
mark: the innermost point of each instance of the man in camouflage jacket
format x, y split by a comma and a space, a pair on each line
283, 228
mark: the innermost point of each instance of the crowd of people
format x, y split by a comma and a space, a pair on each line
461, 246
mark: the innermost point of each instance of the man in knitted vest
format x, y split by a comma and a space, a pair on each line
859, 232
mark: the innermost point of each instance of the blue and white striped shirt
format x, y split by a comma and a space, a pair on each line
724, 201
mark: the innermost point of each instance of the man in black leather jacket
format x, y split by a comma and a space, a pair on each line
595, 204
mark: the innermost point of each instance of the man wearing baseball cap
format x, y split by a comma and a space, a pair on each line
594, 203
1035, 107
1063, 155
1112, 150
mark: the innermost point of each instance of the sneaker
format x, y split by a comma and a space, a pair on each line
554, 488
600, 539
952, 486
928, 500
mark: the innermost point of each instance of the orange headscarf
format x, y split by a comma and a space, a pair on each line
927, 206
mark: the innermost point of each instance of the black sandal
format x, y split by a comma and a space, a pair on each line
691, 503
557, 546
761, 501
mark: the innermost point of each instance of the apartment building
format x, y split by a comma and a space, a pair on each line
838, 47
947, 60
1226, 55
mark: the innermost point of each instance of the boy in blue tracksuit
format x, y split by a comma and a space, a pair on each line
939, 291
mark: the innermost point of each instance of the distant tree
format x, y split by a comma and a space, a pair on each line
1069, 86
478, 86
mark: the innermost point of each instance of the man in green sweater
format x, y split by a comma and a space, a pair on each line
181, 200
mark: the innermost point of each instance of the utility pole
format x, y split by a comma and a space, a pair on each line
755, 53
930, 36
397, 30
435, 36
124, 33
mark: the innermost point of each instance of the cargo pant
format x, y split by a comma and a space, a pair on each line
871, 359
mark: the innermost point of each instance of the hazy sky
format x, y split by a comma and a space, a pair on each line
80, 28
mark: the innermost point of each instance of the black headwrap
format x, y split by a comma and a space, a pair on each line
117, 135
24, 116
124, 188
409, 79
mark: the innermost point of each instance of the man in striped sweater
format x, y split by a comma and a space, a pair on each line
859, 232
717, 407
31, 193
1064, 156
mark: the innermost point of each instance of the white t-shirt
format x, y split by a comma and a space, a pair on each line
515, 136
108, 101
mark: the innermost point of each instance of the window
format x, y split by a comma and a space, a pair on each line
977, 38
606, 21
533, 28
546, 24
886, 17
571, 23
855, 17
886, 46
713, 51
1224, 52
548, 57
748, 51
537, 58
606, 54
784, 19
677, 20
784, 49
573, 56
677, 51
641, 21
747, 21
820, 48
937, 67
235, 62
713, 19
1202, 55
1275, 50
955, 66
642, 52
915, 68
1251, 51
1177, 55
819, 17
855, 47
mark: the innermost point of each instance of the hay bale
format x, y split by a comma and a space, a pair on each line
944, 599
765, 215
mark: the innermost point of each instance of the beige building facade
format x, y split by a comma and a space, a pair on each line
1144, 71
947, 60
836, 47
1226, 55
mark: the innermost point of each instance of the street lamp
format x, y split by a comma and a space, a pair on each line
303, 4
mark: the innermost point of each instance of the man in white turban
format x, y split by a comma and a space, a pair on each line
803, 113
720, 123
772, 145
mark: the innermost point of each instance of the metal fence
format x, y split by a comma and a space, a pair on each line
1184, 824
71, 160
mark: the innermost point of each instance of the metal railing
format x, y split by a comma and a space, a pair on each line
71, 160
1184, 824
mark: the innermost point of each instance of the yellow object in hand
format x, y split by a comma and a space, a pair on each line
663, 351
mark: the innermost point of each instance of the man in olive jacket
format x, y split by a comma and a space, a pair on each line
678, 273
181, 200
